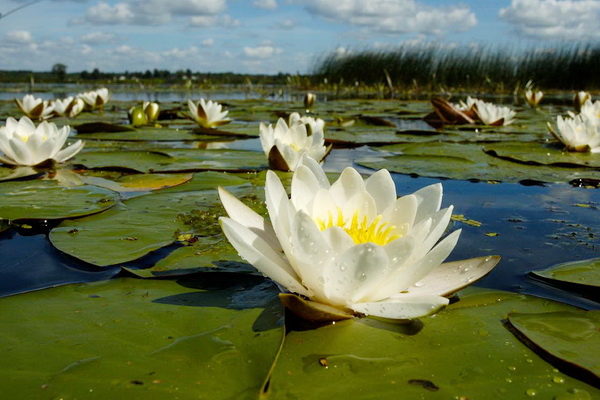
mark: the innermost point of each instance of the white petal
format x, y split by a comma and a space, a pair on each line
311, 253
339, 241
453, 276
429, 200
244, 215
411, 271
261, 255
69, 151
439, 224
316, 169
430, 261
304, 188
402, 214
348, 184
407, 307
277, 205
381, 186
355, 273
363, 203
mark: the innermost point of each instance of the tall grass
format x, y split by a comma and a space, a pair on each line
434, 68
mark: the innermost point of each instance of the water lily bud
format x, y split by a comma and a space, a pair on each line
309, 100
137, 116
533, 98
580, 98
152, 110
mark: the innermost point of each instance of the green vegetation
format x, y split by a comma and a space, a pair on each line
434, 68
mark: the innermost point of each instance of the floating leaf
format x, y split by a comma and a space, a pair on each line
584, 272
215, 336
133, 228
7, 174
92, 127
41, 199
367, 358
140, 182
466, 161
174, 160
568, 336
542, 154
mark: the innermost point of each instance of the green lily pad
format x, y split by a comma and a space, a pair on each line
584, 272
148, 134
466, 161
41, 199
202, 254
542, 154
569, 336
8, 174
174, 160
92, 127
140, 182
463, 352
135, 227
214, 336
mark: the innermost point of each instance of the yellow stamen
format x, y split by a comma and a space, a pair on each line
361, 231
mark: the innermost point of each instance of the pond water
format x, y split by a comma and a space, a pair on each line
228, 322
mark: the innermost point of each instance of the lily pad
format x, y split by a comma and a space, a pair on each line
367, 358
42, 199
92, 127
148, 134
8, 174
467, 161
585, 272
140, 182
202, 254
134, 228
215, 337
542, 154
174, 160
568, 336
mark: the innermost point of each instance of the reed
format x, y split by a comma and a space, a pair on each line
434, 68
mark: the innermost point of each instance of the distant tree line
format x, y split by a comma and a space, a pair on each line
59, 74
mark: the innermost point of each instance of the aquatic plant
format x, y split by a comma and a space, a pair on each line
352, 247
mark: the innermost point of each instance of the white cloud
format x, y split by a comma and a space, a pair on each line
262, 51
266, 4
105, 14
395, 16
18, 37
286, 24
205, 21
151, 12
208, 42
98, 38
554, 19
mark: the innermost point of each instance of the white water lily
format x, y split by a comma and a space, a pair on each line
353, 245
69, 107
465, 105
581, 133
35, 108
533, 98
493, 115
285, 143
580, 99
95, 98
23, 144
208, 114
591, 111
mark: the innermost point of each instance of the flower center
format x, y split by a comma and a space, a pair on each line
360, 230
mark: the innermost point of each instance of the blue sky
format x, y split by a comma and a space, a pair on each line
269, 36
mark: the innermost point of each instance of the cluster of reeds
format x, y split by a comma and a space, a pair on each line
434, 67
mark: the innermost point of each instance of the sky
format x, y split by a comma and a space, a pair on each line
269, 36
